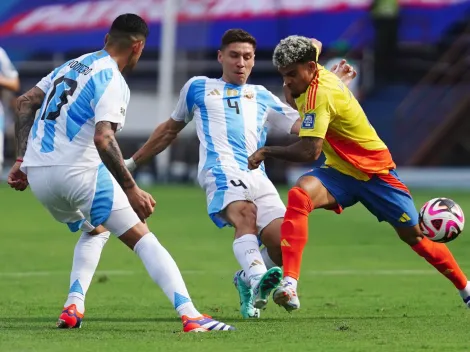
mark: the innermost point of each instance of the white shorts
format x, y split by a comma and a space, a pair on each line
83, 198
225, 185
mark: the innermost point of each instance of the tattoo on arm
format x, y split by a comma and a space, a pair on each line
26, 107
308, 149
111, 155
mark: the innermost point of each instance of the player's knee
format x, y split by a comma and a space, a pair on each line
298, 198
410, 235
245, 220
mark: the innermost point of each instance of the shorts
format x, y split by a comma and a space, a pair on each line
225, 185
385, 196
82, 198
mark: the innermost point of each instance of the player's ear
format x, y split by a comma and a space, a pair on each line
312, 65
219, 56
106, 38
138, 46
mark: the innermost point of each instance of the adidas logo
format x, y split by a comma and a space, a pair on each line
255, 262
284, 243
214, 92
404, 218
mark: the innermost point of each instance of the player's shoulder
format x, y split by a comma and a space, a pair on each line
318, 90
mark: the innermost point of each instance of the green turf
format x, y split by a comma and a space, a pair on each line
361, 289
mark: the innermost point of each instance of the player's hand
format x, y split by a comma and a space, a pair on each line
344, 71
255, 160
141, 201
16, 178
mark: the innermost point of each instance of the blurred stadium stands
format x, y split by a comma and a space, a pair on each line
420, 109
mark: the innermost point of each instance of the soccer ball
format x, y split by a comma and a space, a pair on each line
441, 220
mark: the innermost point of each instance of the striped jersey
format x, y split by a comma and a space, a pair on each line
79, 94
232, 121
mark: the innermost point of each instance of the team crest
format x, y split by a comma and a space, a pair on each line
248, 93
309, 121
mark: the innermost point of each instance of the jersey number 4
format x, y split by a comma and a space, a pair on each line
64, 93
233, 104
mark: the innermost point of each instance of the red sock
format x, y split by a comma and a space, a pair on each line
294, 231
440, 257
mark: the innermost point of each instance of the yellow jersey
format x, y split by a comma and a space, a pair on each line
351, 145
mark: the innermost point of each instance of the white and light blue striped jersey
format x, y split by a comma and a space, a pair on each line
79, 94
231, 121
9, 71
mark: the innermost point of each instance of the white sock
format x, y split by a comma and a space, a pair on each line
165, 273
292, 281
246, 250
86, 257
267, 259
466, 291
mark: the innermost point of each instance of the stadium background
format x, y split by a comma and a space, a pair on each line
358, 276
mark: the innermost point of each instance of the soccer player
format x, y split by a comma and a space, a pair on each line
8, 80
232, 120
75, 168
358, 168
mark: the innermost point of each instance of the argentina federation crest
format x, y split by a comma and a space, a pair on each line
309, 121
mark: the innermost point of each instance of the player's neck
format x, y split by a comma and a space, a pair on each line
120, 59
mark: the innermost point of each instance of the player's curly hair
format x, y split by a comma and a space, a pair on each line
294, 49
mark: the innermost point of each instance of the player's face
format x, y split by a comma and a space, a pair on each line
134, 56
297, 77
237, 60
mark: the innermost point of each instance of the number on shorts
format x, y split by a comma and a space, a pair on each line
239, 184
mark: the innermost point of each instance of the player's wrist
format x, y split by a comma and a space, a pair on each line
19, 159
130, 164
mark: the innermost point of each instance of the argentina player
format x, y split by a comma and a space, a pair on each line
232, 120
75, 168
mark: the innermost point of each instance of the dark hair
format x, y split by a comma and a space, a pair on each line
237, 36
127, 25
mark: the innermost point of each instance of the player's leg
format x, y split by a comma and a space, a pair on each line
47, 184
242, 216
321, 188
390, 200
161, 268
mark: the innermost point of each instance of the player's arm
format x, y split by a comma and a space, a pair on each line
160, 139
312, 133
26, 107
166, 132
8, 74
110, 153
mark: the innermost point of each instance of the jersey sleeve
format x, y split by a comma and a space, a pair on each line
111, 97
318, 112
45, 83
184, 109
279, 115
6, 66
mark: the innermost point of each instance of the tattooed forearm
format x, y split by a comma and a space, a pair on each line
308, 149
26, 107
111, 155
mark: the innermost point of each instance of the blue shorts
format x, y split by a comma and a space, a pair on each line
385, 196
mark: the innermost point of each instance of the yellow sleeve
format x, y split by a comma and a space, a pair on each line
317, 115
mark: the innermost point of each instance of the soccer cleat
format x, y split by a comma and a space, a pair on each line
204, 323
268, 282
286, 296
70, 318
246, 297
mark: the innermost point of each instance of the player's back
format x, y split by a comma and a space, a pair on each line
63, 131
351, 145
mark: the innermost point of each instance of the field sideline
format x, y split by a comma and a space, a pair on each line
361, 288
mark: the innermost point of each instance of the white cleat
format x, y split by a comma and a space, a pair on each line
286, 296
465, 294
